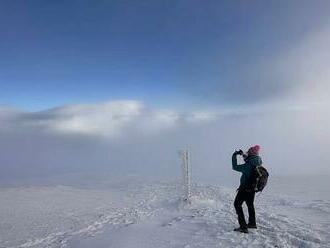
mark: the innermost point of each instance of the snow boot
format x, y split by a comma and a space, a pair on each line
251, 226
242, 230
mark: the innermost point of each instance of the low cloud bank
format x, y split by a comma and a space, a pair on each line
129, 138
108, 119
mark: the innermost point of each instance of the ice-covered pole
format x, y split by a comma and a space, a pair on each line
185, 157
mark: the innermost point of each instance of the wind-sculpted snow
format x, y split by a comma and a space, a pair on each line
140, 214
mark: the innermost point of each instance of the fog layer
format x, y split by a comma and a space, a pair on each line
124, 138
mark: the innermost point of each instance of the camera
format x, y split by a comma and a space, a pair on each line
240, 152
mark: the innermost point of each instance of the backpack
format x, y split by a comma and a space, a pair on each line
259, 178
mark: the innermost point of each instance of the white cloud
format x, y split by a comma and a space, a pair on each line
105, 119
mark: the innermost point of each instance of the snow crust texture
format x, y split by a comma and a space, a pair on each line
140, 214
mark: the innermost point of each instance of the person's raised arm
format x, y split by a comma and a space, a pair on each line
236, 166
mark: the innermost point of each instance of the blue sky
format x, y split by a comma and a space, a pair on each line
161, 52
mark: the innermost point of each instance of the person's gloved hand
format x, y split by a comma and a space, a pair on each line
239, 152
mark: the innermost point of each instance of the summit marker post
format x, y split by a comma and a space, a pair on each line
186, 172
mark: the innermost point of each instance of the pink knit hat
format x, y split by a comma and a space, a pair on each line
254, 150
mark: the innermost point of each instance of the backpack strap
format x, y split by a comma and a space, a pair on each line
258, 171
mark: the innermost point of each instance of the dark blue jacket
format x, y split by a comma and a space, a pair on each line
251, 162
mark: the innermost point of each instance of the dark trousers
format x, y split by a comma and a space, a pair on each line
248, 197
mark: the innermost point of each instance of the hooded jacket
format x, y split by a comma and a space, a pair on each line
251, 162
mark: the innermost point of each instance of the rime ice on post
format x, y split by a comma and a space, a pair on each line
184, 154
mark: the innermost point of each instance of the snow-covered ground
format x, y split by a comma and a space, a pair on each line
135, 213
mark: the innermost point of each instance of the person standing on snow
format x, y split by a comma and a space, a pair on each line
245, 192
